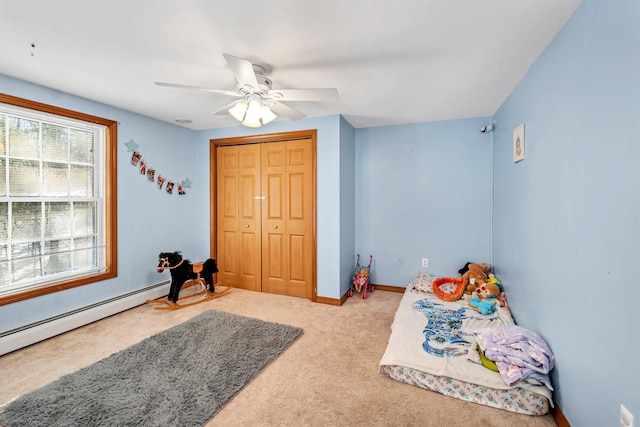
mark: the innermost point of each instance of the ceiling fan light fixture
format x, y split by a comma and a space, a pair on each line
251, 122
253, 115
254, 111
267, 115
255, 96
238, 111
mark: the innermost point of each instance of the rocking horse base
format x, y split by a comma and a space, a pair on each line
199, 297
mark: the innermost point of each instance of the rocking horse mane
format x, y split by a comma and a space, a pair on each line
174, 258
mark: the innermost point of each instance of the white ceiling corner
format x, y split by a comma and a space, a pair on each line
392, 61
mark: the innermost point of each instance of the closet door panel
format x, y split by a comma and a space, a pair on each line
274, 226
275, 270
297, 258
266, 217
239, 208
227, 266
227, 208
249, 200
300, 217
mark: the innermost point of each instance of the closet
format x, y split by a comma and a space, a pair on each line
264, 212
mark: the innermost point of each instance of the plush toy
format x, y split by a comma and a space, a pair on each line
464, 269
448, 288
483, 307
502, 299
487, 291
486, 362
475, 274
493, 279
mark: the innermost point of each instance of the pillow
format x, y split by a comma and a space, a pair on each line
449, 288
422, 283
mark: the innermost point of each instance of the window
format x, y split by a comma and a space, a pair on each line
57, 199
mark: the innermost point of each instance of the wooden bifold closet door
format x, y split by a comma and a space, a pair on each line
265, 216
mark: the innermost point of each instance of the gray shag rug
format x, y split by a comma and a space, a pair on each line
180, 377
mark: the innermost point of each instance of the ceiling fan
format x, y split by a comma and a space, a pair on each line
257, 102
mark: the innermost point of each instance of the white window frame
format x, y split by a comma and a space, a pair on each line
104, 195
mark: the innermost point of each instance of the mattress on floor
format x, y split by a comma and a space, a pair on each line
432, 346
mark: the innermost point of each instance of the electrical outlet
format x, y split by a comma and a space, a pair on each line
425, 262
626, 418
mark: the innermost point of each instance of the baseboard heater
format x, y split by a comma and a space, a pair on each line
32, 333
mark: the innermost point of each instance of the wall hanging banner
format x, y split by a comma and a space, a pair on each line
145, 169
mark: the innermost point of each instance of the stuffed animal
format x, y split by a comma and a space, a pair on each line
476, 273
493, 279
488, 291
483, 307
502, 299
465, 268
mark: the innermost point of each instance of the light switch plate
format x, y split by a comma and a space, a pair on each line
626, 418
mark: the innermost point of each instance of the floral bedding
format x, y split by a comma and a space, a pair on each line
516, 400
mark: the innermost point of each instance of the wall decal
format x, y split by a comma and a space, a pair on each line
131, 146
143, 166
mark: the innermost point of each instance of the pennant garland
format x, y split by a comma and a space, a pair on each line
138, 162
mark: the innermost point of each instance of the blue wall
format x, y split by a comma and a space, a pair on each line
565, 220
347, 205
423, 191
567, 232
149, 219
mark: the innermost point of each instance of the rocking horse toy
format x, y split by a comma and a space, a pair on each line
198, 275
361, 279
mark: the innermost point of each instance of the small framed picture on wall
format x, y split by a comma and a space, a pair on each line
518, 143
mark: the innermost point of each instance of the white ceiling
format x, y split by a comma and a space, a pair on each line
392, 61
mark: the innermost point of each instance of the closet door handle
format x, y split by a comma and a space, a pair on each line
247, 225
275, 226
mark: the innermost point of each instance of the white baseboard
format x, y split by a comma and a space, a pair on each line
32, 333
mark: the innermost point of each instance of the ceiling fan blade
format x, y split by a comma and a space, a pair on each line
225, 110
243, 70
326, 95
284, 110
223, 92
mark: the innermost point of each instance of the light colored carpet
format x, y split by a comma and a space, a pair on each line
329, 377
181, 376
